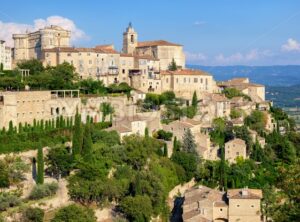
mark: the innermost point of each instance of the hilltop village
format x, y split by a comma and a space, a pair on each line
129, 134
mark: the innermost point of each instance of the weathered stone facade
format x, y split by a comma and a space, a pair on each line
25, 106
30, 45
208, 205
5, 56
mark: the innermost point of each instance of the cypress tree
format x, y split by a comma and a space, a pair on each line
175, 145
223, 176
77, 135
87, 142
165, 150
57, 124
146, 132
40, 167
20, 128
195, 100
10, 127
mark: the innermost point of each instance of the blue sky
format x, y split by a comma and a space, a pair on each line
213, 32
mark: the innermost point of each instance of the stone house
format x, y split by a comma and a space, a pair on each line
178, 127
205, 204
235, 148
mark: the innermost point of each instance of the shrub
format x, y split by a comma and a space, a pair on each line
74, 213
33, 215
43, 190
8, 200
164, 135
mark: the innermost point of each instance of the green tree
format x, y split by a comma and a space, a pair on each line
189, 144
77, 138
1, 67
74, 213
59, 161
35, 66
40, 166
173, 65
195, 100
138, 208
106, 109
87, 142
165, 150
146, 132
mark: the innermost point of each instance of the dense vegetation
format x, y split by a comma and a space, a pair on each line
62, 76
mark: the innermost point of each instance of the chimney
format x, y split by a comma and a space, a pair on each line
245, 191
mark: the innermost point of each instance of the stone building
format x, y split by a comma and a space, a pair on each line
5, 56
206, 149
215, 105
235, 148
159, 49
208, 205
25, 106
100, 62
30, 45
179, 127
255, 91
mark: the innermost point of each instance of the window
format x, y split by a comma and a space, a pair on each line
69, 54
184, 80
132, 38
195, 80
88, 54
123, 71
221, 209
238, 205
176, 80
252, 206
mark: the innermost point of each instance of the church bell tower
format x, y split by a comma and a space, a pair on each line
130, 40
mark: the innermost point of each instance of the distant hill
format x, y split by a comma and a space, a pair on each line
267, 75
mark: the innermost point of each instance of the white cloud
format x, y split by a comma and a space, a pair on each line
240, 58
195, 57
7, 29
291, 45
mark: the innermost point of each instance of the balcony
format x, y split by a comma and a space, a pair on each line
113, 70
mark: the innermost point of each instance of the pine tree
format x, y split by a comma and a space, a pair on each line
189, 144
77, 135
195, 100
165, 150
176, 145
87, 142
40, 167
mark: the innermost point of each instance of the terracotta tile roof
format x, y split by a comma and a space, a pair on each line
185, 72
156, 43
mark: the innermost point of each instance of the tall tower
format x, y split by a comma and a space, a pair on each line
130, 40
